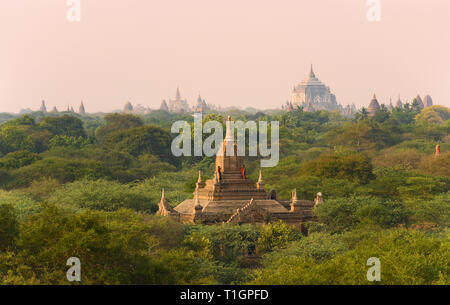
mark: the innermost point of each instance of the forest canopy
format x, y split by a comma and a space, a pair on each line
89, 186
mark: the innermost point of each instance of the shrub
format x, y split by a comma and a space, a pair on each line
407, 257
101, 195
276, 235
8, 226
344, 214
354, 167
23, 205
405, 159
57, 168
436, 165
18, 159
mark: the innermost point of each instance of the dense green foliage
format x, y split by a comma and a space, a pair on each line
88, 187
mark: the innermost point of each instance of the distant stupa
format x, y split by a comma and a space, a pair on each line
81, 110
374, 106
164, 106
128, 108
427, 101
399, 103
201, 105
43, 108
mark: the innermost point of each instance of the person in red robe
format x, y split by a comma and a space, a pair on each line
244, 172
219, 170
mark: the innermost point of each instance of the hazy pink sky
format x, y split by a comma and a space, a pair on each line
234, 52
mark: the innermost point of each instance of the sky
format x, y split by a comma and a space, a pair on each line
245, 53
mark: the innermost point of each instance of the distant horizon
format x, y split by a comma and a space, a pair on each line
235, 54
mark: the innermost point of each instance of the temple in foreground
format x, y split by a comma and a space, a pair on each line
232, 197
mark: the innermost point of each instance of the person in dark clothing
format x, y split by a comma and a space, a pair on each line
219, 170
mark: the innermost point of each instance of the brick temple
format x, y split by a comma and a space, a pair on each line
232, 197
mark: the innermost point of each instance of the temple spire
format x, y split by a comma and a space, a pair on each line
311, 72
43, 107
178, 96
229, 133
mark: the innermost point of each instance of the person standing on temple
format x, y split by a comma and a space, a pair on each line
244, 172
219, 170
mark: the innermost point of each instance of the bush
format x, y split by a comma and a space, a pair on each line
230, 243
435, 211
23, 205
143, 140
68, 141
65, 125
59, 169
407, 258
18, 159
436, 165
8, 226
276, 236
354, 167
408, 159
102, 195
344, 214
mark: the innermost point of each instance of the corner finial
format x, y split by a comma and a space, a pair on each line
260, 176
197, 205
199, 177
162, 195
294, 195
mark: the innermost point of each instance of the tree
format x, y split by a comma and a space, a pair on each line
140, 140
434, 115
68, 141
65, 125
363, 135
276, 235
102, 195
18, 159
8, 226
362, 115
354, 167
342, 214
116, 122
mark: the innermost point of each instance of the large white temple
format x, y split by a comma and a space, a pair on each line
312, 95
